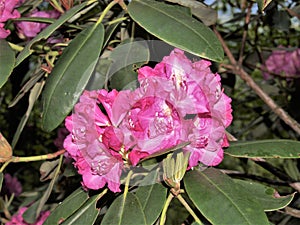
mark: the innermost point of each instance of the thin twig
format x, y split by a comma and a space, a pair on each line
251, 83
244, 38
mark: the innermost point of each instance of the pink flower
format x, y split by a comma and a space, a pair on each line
197, 92
7, 11
17, 219
283, 62
97, 164
31, 29
11, 186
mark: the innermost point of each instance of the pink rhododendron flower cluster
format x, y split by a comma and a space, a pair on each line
31, 29
17, 219
178, 101
283, 62
7, 11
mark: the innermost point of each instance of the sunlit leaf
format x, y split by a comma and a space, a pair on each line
172, 25
69, 206
266, 196
7, 61
206, 14
1, 180
278, 148
70, 75
221, 200
125, 210
262, 4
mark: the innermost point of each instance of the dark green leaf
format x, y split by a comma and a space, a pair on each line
221, 200
152, 199
265, 195
70, 75
265, 149
27, 51
86, 214
172, 25
67, 207
7, 61
125, 210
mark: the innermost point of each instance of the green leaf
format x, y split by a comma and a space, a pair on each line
86, 214
278, 148
1, 180
262, 4
152, 197
69, 206
172, 25
125, 211
265, 195
7, 61
70, 75
221, 200
126, 59
44, 34
33, 96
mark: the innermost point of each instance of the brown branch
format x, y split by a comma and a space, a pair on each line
251, 83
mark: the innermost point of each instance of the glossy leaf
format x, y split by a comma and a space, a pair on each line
125, 210
7, 61
279, 148
44, 34
221, 200
86, 214
152, 196
172, 25
70, 75
69, 206
266, 196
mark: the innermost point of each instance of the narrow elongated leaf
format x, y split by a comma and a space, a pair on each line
27, 51
1, 180
34, 94
266, 196
280, 148
262, 4
125, 211
86, 214
152, 197
70, 75
221, 200
172, 25
69, 206
7, 61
